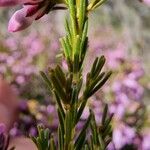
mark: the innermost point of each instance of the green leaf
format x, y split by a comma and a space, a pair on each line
95, 3
69, 46
71, 146
107, 131
102, 144
93, 70
52, 144
82, 13
68, 87
74, 95
86, 147
104, 114
99, 66
60, 139
39, 143
84, 46
79, 86
65, 48
101, 83
72, 8
85, 30
76, 64
47, 81
60, 75
84, 42
61, 121
82, 136
107, 122
87, 83
81, 108
58, 87
80, 142
94, 130
68, 29
59, 105
68, 128
34, 140
76, 50
99, 4
94, 82
70, 64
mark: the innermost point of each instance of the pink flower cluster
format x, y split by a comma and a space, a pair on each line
32, 10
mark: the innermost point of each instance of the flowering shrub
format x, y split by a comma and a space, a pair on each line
66, 86
124, 97
125, 102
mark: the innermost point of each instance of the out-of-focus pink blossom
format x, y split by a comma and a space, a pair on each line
114, 57
2, 128
133, 88
20, 79
123, 135
16, 2
137, 70
147, 2
19, 21
118, 110
32, 10
146, 142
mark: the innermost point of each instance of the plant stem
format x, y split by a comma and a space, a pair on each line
76, 31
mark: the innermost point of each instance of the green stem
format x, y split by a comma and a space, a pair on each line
76, 32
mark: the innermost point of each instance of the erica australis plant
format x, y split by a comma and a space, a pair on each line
67, 86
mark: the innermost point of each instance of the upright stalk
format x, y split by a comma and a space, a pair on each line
74, 47
66, 86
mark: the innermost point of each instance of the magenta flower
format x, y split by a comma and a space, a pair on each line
32, 10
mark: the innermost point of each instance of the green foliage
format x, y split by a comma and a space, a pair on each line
96, 79
66, 87
101, 135
45, 140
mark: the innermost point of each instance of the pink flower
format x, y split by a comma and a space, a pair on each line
122, 135
147, 2
16, 2
2, 128
32, 10
146, 143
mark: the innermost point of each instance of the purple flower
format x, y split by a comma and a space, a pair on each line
115, 57
146, 142
123, 135
4, 140
133, 88
118, 110
2, 128
33, 131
